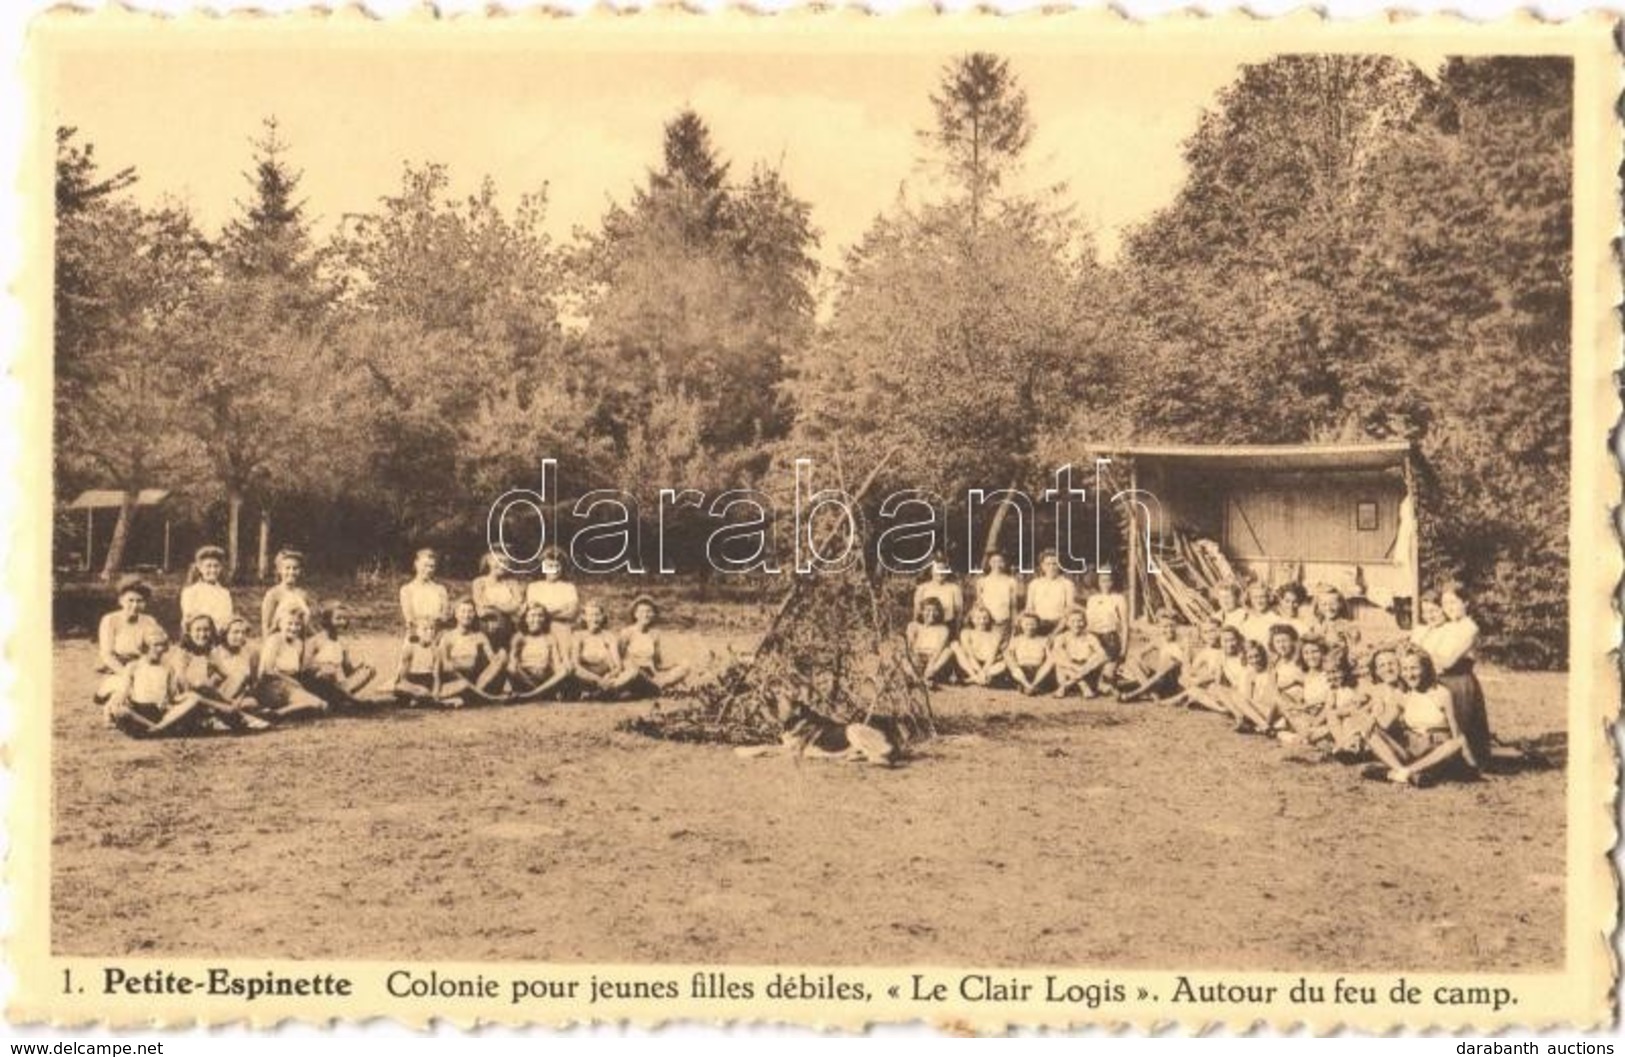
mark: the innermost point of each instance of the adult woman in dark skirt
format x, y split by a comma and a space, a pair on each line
1451, 645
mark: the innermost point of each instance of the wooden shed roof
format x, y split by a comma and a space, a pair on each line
111, 498
1372, 455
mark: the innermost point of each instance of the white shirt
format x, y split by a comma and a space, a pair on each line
997, 593
1051, 599
559, 597
424, 600
212, 600
1425, 709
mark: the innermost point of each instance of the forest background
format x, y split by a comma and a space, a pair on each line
1361, 249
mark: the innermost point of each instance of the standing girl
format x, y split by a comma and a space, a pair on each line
999, 593
288, 593
498, 595
1451, 646
423, 597
204, 592
1106, 612
122, 635
555, 594
1050, 595
941, 586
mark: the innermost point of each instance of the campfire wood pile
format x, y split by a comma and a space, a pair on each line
1188, 569
833, 645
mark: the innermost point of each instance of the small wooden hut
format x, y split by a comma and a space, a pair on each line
1340, 514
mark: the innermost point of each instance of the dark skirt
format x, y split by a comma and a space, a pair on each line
1467, 699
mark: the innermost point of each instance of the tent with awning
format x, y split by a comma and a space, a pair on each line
1340, 514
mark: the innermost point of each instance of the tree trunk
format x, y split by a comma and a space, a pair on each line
234, 520
265, 544
121, 536
992, 542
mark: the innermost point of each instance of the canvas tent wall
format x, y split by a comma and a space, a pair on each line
1342, 514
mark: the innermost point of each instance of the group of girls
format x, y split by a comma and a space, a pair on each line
1277, 663
1038, 638
513, 641
509, 642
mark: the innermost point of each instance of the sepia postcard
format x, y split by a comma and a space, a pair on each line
818, 518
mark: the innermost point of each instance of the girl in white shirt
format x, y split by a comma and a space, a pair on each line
1430, 742
205, 594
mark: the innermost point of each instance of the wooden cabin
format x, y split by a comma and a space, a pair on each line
1341, 514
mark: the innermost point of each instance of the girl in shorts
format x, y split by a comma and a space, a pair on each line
284, 664
595, 655
121, 636
1027, 655
641, 652
930, 641
469, 667
1077, 657
536, 661
978, 653
334, 675
150, 699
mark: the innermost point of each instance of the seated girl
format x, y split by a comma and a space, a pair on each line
150, 699
536, 662
1253, 699
640, 651
121, 637
930, 641
595, 656
1206, 667
1384, 693
417, 681
1285, 684
1078, 657
979, 651
1027, 655
1157, 670
1305, 713
469, 667
237, 664
1331, 622
1216, 661
333, 675
197, 673
1430, 743
284, 664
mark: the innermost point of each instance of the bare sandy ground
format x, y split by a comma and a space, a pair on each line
1035, 833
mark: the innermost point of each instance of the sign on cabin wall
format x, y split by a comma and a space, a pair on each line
1329, 519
